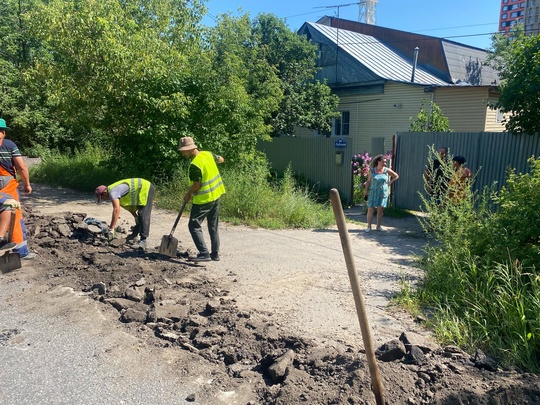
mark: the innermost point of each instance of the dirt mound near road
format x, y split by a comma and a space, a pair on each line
172, 304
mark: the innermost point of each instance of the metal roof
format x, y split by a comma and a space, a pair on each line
382, 60
466, 64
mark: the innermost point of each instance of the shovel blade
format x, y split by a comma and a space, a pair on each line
10, 261
169, 246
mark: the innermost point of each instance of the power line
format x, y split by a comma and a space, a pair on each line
451, 28
415, 40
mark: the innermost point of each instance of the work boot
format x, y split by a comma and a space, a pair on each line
4, 244
201, 257
131, 237
143, 244
29, 256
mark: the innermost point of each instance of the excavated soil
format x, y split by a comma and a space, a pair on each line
256, 347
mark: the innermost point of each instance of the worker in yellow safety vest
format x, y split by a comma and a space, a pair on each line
206, 188
136, 195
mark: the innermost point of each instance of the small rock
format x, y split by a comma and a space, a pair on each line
140, 282
278, 369
198, 320
212, 306
483, 361
132, 315
452, 349
390, 351
174, 312
170, 336
424, 343
424, 376
122, 303
415, 356
134, 294
64, 230
100, 287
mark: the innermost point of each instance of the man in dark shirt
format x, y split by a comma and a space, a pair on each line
436, 178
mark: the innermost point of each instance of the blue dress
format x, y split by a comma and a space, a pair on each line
378, 190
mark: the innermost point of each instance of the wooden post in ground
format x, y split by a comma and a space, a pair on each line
358, 297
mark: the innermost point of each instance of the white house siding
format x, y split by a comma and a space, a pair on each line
466, 108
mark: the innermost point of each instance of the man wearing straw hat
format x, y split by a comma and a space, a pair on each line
206, 188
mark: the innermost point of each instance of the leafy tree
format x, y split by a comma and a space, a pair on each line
430, 119
115, 72
24, 108
306, 102
499, 51
132, 76
520, 85
236, 94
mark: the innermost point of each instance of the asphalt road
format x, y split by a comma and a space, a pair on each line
63, 350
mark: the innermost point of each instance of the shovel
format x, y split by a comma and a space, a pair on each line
169, 245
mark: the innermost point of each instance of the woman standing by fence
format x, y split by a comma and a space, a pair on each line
377, 189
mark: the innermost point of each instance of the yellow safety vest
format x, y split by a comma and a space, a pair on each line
138, 192
211, 183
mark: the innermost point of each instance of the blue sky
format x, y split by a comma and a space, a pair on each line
463, 21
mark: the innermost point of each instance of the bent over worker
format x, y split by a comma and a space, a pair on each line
11, 165
206, 188
136, 195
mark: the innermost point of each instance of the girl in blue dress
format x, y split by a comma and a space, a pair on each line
377, 189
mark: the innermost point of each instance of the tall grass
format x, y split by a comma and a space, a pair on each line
83, 170
481, 284
253, 198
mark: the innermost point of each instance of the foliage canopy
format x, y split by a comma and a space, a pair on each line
482, 283
430, 119
518, 59
133, 76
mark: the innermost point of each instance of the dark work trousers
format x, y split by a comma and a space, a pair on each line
198, 214
144, 214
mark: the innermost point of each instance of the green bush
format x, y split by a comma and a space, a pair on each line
481, 282
84, 170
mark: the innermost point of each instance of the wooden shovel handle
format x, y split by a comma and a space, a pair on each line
358, 297
177, 219
11, 225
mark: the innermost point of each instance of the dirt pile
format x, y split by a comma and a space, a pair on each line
174, 304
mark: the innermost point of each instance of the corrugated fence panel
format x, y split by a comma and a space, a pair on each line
488, 155
313, 158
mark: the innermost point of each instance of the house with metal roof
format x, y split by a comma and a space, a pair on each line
383, 76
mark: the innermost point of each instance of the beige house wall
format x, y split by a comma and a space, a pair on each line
385, 114
377, 115
467, 108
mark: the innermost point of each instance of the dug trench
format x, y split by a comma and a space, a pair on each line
193, 316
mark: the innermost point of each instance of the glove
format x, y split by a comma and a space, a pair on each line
111, 235
12, 203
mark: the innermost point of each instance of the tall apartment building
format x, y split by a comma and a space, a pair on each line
532, 17
512, 12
